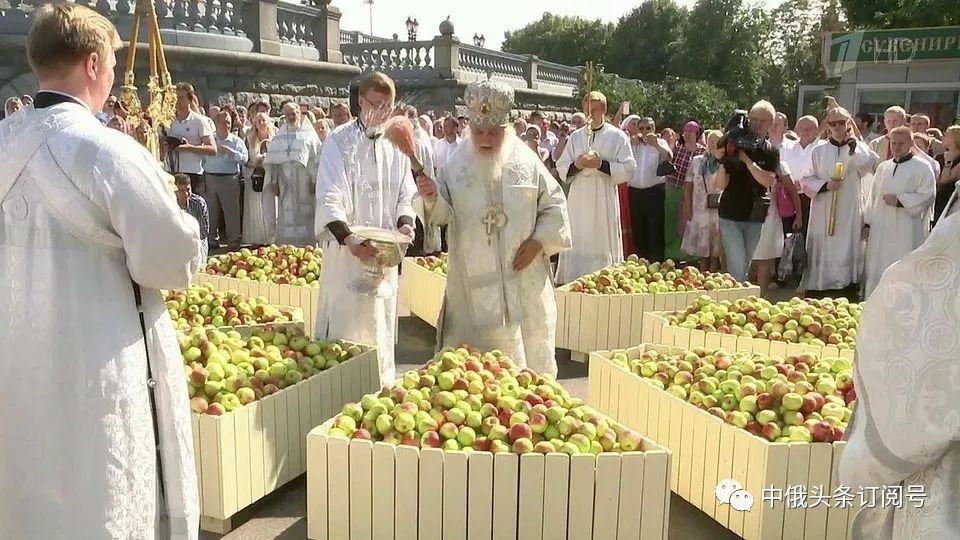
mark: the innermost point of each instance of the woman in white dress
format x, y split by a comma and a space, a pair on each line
702, 234
259, 207
770, 246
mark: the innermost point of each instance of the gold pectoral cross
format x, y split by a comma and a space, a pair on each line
494, 220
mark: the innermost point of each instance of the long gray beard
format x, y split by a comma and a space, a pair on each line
489, 167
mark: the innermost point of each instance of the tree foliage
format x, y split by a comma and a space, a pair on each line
566, 40
644, 40
901, 14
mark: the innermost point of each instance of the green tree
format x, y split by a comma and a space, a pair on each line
901, 14
670, 103
725, 42
566, 40
642, 44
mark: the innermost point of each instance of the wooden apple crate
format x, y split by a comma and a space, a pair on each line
707, 450
247, 330
305, 298
590, 322
422, 291
358, 489
248, 453
660, 332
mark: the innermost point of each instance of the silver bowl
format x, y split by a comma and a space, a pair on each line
390, 248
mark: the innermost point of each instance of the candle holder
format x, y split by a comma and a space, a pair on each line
838, 176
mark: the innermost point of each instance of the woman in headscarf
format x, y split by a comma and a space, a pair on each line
626, 225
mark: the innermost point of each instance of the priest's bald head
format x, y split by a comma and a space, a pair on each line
488, 106
72, 49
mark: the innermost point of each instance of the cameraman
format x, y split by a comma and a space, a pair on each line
747, 173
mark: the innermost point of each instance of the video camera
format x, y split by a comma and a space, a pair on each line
737, 136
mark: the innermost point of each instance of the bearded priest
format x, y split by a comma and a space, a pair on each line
595, 160
363, 180
897, 219
95, 435
291, 175
506, 217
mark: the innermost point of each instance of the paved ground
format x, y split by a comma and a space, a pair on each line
282, 515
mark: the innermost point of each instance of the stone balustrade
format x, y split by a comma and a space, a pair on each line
399, 59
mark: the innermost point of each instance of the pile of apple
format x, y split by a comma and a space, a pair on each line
799, 398
436, 264
225, 371
201, 305
637, 276
812, 322
465, 400
284, 265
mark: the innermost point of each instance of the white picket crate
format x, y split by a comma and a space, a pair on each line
422, 291
707, 450
305, 298
660, 332
248, 453
359, 489
590, 322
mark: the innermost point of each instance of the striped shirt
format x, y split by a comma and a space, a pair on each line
197, 208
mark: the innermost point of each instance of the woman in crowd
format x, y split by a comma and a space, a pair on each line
670, 136
438, 129
687, 148
321, 125
922, 142
700, 201
259, 205
520, 126
532, 137
785, 214
950, 170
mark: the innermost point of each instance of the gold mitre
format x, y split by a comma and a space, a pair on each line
488, 103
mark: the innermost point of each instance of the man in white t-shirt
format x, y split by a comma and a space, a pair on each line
445, 147
798, 157
189, 138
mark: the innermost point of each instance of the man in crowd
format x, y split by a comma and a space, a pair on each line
445, 147
893, 117
194, 205
189, 138
243, 122
596, 159
291, 173
904, 429
506, 217
835, 259
920, 123
363, 181
91, 232
340, 113
863, 122
548, 139
646, 193
896, 219
799, 158
258, 107
221, 174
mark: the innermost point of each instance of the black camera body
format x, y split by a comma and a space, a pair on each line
737, 136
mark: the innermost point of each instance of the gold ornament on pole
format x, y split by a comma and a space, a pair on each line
838, 176
160, 89
589, 80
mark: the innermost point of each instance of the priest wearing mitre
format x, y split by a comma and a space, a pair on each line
596, 159
363, 180
836, 261
94, 414
897, 219
291, 175
506, 216
903, 435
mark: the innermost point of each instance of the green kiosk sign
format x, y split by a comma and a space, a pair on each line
895, 46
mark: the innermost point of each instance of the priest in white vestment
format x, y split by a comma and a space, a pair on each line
506, 216
291, 173
897, 220
85, 214
906, 424
836, 261
363, 180
595, 160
